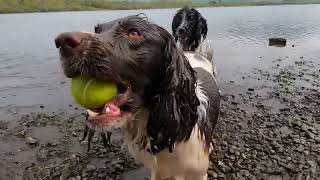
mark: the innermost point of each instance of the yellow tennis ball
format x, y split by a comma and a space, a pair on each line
91, 93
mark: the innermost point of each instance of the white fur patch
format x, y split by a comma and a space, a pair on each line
198, 61
204, 102
206, 49
188, 161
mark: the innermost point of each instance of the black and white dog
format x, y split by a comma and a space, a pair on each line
189, 28
168, 101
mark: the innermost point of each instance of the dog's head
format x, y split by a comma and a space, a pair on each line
150, 71
189, 28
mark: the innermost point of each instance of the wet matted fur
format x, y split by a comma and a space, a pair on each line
169, 99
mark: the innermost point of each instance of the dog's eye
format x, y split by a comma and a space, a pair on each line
135, 38
97, 28
190, 18
134, 34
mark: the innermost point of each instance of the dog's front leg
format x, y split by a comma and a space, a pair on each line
153, 175
156, 176
197, 177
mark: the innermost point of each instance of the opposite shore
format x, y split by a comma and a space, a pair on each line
23, 6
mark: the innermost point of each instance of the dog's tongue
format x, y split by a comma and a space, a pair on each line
110, 113
112, 110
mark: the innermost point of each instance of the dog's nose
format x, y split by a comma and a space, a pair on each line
181, 31
69, 39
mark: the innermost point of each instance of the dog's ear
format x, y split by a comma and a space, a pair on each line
173, 114
176, 21
202, 27
201, 32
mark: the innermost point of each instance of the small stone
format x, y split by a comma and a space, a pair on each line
224, 143
254, 152
32, 141
237, 153
306, 152
215, 175
231, 151
221, 175
95, 140
251, 89
247, 173
118, 167
288, 158
90, 168
42, 155
52, 144
220, 163
280, 149
272, 151
243, 156
52, 153
224, 136
311, 135
22, 133
84, 175
296, 140
300, 148
222, 166
74, 134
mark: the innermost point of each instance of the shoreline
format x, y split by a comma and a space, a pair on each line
144, 7
267, 130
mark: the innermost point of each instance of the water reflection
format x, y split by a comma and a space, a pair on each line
30, 71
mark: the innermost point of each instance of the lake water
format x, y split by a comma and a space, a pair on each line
30, 72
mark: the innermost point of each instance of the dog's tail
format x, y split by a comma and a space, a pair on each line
206, 49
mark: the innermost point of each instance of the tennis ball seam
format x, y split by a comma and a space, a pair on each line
86, 87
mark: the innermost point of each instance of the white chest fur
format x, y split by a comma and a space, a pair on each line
188, 161
197, 60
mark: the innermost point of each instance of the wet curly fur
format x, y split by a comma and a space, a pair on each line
173, 100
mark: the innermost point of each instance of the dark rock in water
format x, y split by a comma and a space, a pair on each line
280, 42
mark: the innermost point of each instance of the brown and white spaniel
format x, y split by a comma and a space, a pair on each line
168, 100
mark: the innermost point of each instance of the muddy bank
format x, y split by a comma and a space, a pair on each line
269, 129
